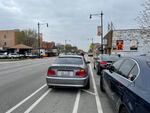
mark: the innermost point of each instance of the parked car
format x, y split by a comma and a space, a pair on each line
69, 71
90, 54
30, 55
3, 55
13, 55
127, 83
21, 55
103, 60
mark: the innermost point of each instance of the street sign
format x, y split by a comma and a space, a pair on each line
99, 30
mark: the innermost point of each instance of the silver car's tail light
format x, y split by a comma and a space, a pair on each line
51, 72
81, 73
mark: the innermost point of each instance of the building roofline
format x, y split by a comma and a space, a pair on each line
107, 34
10, 30
128, 29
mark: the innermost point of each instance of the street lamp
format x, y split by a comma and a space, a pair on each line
101, 23
40, 24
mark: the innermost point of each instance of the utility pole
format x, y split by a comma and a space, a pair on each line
39, 39
101, 24
102, 31
39, 44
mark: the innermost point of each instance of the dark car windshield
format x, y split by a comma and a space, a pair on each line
109, 57
114, 57
69, 60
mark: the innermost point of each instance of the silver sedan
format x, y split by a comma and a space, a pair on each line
69, 71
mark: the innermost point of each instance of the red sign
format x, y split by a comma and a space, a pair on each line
119, 44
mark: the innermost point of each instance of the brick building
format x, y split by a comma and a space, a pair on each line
7, 38
48, 45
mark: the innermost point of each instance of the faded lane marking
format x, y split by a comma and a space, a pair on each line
88, 92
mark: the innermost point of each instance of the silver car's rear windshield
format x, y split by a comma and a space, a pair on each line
69, 60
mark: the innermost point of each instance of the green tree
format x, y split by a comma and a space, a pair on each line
20, 37
144, 16
91, 47
68, 47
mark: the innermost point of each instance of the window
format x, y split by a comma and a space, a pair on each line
133, 73
148, 63
4, 36
69, 60
126, 67
5, 43
117, 65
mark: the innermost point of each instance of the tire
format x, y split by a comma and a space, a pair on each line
101, 85
94, 66
123, 110
98, 72
87, 85
49, 86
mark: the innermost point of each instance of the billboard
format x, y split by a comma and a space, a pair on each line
119, 44
99, 30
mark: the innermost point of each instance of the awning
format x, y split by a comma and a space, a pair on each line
20, 46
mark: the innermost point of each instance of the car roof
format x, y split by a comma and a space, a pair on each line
72, 56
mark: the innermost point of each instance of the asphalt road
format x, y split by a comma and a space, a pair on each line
23, 90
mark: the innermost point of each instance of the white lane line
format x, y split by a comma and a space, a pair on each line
88, 92
76, 104
98, 103
38, 101
23, 101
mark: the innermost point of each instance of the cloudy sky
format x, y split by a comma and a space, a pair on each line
68, 19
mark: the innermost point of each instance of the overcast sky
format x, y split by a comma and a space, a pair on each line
68, 19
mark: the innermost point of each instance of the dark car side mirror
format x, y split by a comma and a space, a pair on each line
111, 68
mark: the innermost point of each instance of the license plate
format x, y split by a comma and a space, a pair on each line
65, 73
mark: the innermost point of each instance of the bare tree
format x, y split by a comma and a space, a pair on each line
144, 17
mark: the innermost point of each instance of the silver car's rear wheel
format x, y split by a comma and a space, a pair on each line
49, 86
101, 85
87, 85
